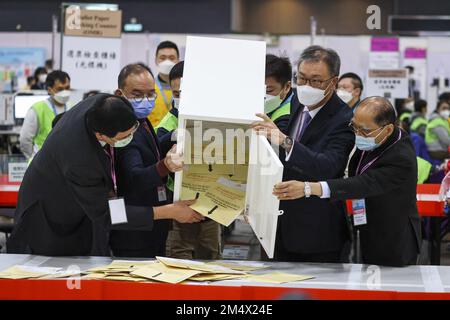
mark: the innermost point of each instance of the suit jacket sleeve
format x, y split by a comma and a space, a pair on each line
91, 195
135, 172
165, 140
378, 180
282, 123
330, 160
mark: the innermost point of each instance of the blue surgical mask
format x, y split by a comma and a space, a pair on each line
143, 108
366, 143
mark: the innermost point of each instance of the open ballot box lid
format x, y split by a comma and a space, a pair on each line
240, 176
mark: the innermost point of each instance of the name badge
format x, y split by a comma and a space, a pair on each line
359, 212
162, 196
117, 211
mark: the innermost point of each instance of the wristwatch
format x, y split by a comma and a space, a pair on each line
287, 143
307, 190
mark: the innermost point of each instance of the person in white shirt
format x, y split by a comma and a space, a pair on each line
38, 120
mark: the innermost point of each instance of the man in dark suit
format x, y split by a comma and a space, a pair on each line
63, 199
382, 182
317, 148
142, 169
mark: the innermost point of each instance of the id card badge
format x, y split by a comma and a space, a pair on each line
162, 195
359, 212
117, 211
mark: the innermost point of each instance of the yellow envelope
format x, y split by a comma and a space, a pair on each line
25, 272
223, 202
196, 184
163, 273
196, 265
215, 277
239, 267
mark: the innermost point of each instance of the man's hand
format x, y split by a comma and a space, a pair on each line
269, 129
173, 160
289, 190
183, 214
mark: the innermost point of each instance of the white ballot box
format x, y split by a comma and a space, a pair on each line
228, 168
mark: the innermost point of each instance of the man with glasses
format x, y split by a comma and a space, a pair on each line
316, 148
143, 169
68, 197
382, 186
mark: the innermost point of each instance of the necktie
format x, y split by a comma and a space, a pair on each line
306, 119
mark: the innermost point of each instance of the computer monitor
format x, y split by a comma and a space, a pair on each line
24, 102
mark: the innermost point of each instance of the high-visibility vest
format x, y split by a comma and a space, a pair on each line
430, 136
169, 123
423, 170
45, 116
281, 111
163, 103
418, 122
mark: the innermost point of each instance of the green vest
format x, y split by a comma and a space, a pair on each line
430, 136
405, 116
423, 170
45, 116
417, 122
284, 110
170, 123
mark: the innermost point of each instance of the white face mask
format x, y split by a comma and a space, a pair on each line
102, 143
409, 106
165, 66
309, 96
271, 103
176, 103
344, 95
42, 77
445, 114
62, 96
124, 142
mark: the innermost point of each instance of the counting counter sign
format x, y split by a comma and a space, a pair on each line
16, 171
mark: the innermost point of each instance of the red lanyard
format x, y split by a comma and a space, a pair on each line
113, 171
373, 161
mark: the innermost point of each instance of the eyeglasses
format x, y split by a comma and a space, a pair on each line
315, 83
140, 99
363, 132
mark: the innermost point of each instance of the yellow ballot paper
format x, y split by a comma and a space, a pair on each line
223, 202
216, 277
163, 273
196, 184
196, 265
244, 266
214, 169
277, 277
26, 272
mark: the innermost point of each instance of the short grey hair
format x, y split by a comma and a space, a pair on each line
328, 56
383, 110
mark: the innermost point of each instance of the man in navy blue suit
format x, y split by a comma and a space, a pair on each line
142, 171
316, 148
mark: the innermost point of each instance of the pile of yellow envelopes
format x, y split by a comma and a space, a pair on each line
167, 270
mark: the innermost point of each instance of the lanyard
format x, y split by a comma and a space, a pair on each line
373, 161
161, 89
145, 125
113, 171
53, 106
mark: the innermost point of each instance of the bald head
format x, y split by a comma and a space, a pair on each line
380, 109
